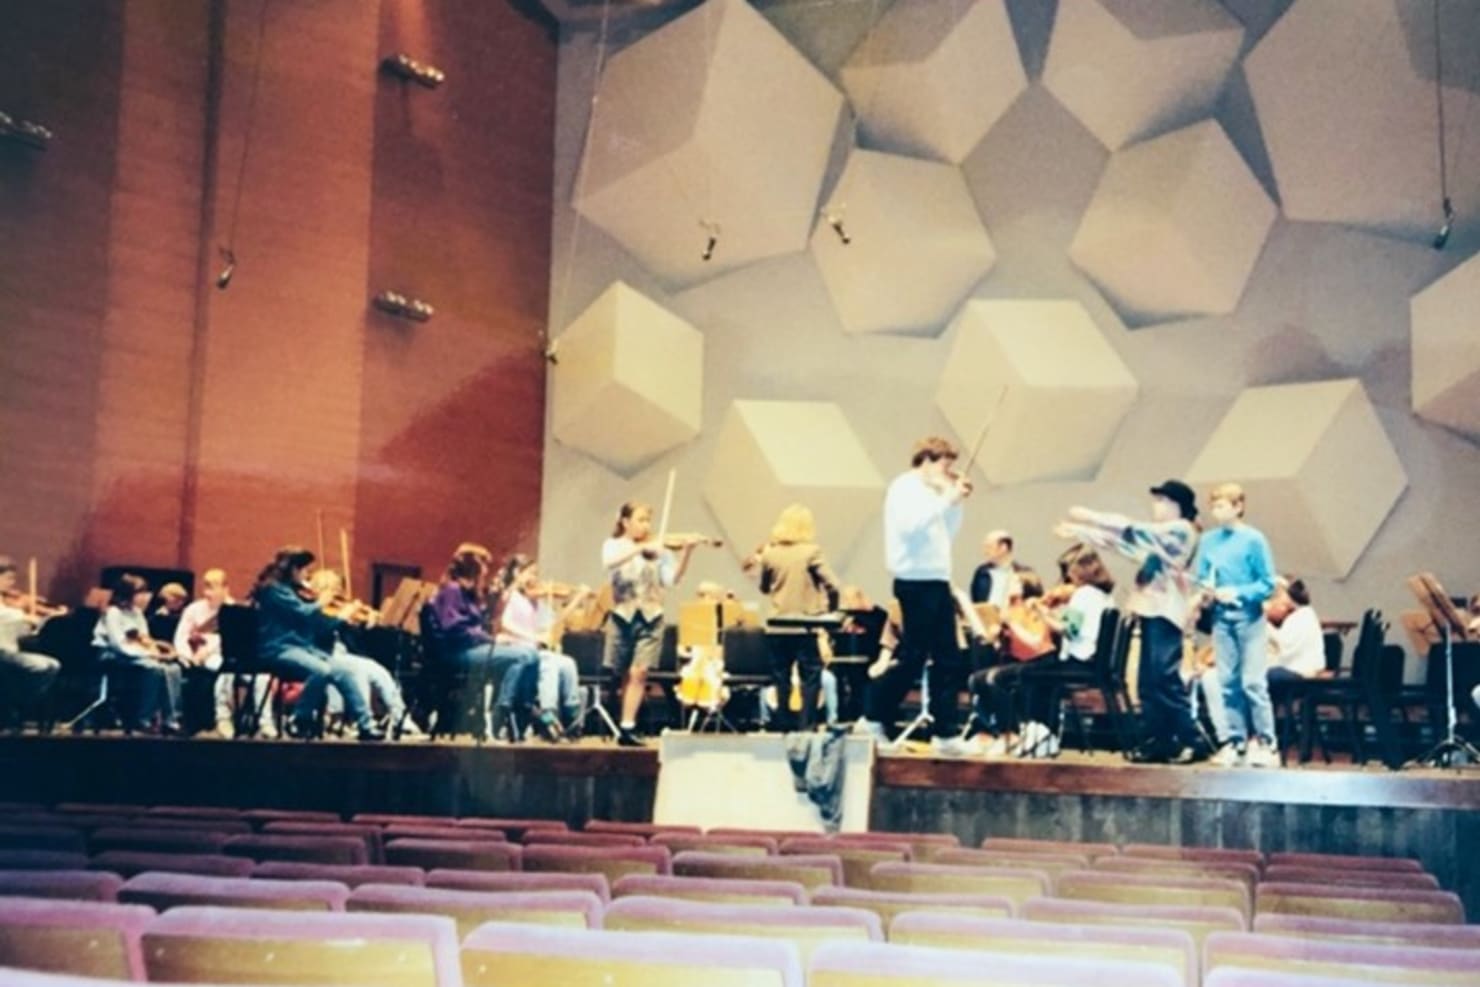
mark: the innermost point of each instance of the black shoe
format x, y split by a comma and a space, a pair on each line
547, 725
301, 729
627, 738
1150, 754
371, 733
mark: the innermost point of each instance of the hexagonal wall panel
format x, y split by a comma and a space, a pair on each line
773, 453
628, 381
933, 76
918, 246
1129, 69
1350, 122
1175, 226
1446, 350
1042, 381
712, 119
1319, 471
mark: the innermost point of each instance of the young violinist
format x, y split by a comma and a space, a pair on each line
24, 676
292, 621
375, 680
796, 576
122, 636
639, 570
198, 643
529, 619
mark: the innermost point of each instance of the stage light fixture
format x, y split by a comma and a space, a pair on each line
835, 220
397, 304
402, 66
228, 267
24, 132
1441, 239
711, 241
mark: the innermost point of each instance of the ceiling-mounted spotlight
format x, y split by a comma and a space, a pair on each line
32, 135
228, 268
402, 66
1441, 239
397, 304
712, 241
835, 220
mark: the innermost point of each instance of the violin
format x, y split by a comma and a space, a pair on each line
160, 650
687, 539
558, 591
351, 611
35, 606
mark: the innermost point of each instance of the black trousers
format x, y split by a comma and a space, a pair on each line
928, 613
800, 650
1166, 704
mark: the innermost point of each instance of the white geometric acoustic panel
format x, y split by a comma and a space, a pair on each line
1319, 471
933, 76
918, 246
1445, 342
773, 453
1129, 69
628, 381
1344, 91
711, 122
1174, 227
1042, 381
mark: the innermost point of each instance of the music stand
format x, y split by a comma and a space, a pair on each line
1453, 751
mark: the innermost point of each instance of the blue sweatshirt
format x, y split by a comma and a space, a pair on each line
1237, 557
286, 620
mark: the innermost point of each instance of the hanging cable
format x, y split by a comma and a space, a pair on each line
1441, 239
228, 249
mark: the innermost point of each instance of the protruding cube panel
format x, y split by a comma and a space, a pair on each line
1319, 471
1042, 381
773, 453
628, 381
711, 125
1175, 226
1348, 116
1446, 350
933, 76
1130, 69
917, 245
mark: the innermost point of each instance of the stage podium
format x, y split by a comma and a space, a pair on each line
745, 780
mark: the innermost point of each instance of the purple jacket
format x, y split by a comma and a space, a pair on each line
462, 620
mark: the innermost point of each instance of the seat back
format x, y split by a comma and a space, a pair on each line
350, 875
471, 880
1155, 889
130, 862
311, 849
752, 846
1370, 962
888, 905
811, 871
878, 965
1362, 904
1015, 884
717, 890
488, 855
73, 885
1434, 936
613, 862
805, 928
99, 939
239, 639
1199, 921
164, 891
470, 909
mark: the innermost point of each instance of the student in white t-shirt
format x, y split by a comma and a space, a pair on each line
529, 618
1297, 645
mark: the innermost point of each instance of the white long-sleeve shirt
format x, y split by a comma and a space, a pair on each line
919, 525
199, 614
1298, 643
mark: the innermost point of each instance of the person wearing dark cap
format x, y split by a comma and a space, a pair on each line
1163, 549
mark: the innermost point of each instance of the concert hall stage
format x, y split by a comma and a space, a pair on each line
1424, 813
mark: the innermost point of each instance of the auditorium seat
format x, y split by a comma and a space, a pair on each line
1413, 880
1344, 862
1015, 844
565, 837
879, 965
1358, 961
614, 862
1240, 977
773, 834
513, 826
127, 863
888, 904
470, 909
1245, 874
350, 875
466, 854
303, 948
446, 831
100, 808
858, 856
719, 890
143, 839
1222, 855
923, 845
73, 885
42, 860
96, 939
498, 954
399, 818
752, 846
11, 977
371, 835
226, 827
1173, 948
1365, 904
162, 891
1052, 864
806, 928
61, 839
261, 817
80, 822
203, 812
309, 849
1017, 884
474, 880
1198, 920
645, 830
1154, 889
1440, 936
811, 871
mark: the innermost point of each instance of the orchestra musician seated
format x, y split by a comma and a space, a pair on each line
164, 616
24, 676
529, 619
198, 643
343, 644
1025, 639
121, 637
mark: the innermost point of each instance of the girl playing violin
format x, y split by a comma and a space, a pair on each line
23, 675
375, 680
530, 619
122, 636
639, 570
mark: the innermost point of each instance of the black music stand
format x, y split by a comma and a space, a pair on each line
1453, 751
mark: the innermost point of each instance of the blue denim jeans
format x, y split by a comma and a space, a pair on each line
375, 682
515, 667
317, 671
559, 685
1241, 646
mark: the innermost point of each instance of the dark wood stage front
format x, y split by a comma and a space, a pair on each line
1429, 814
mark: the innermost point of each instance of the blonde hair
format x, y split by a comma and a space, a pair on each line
794, 526
213, 577
325, 580
1231, 492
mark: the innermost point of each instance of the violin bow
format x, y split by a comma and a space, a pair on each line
349, 591
981, 436
667, 506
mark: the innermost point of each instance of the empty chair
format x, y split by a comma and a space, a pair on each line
1247, 874
398, 818
430, 831
162, 891
470, 909
453, 854
720, 890
1052, 864
371, 835
149, 840
879, 965
1344, 861
127, 863
1359, 961
84, 821
811, 871
514, 827
924, 845
566, 837
614, 862
1199, 921
1234, 976
1174, 948
806, 928
474, 880
1017, 843
61, 839
498, 954
75, 885
1413, 880
1226, 855
97, 939
1014, 883
1154, 889
1365, 904
306, 948
42, 860
645, 830
350, 875
311, 849
858, 856
1441, 936
888, 904
193, 812
261, 817
755, 846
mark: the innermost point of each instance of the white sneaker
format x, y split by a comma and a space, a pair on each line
1261, 755
868, 728
1227, 756
952, 747
1033, 739
996, 747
